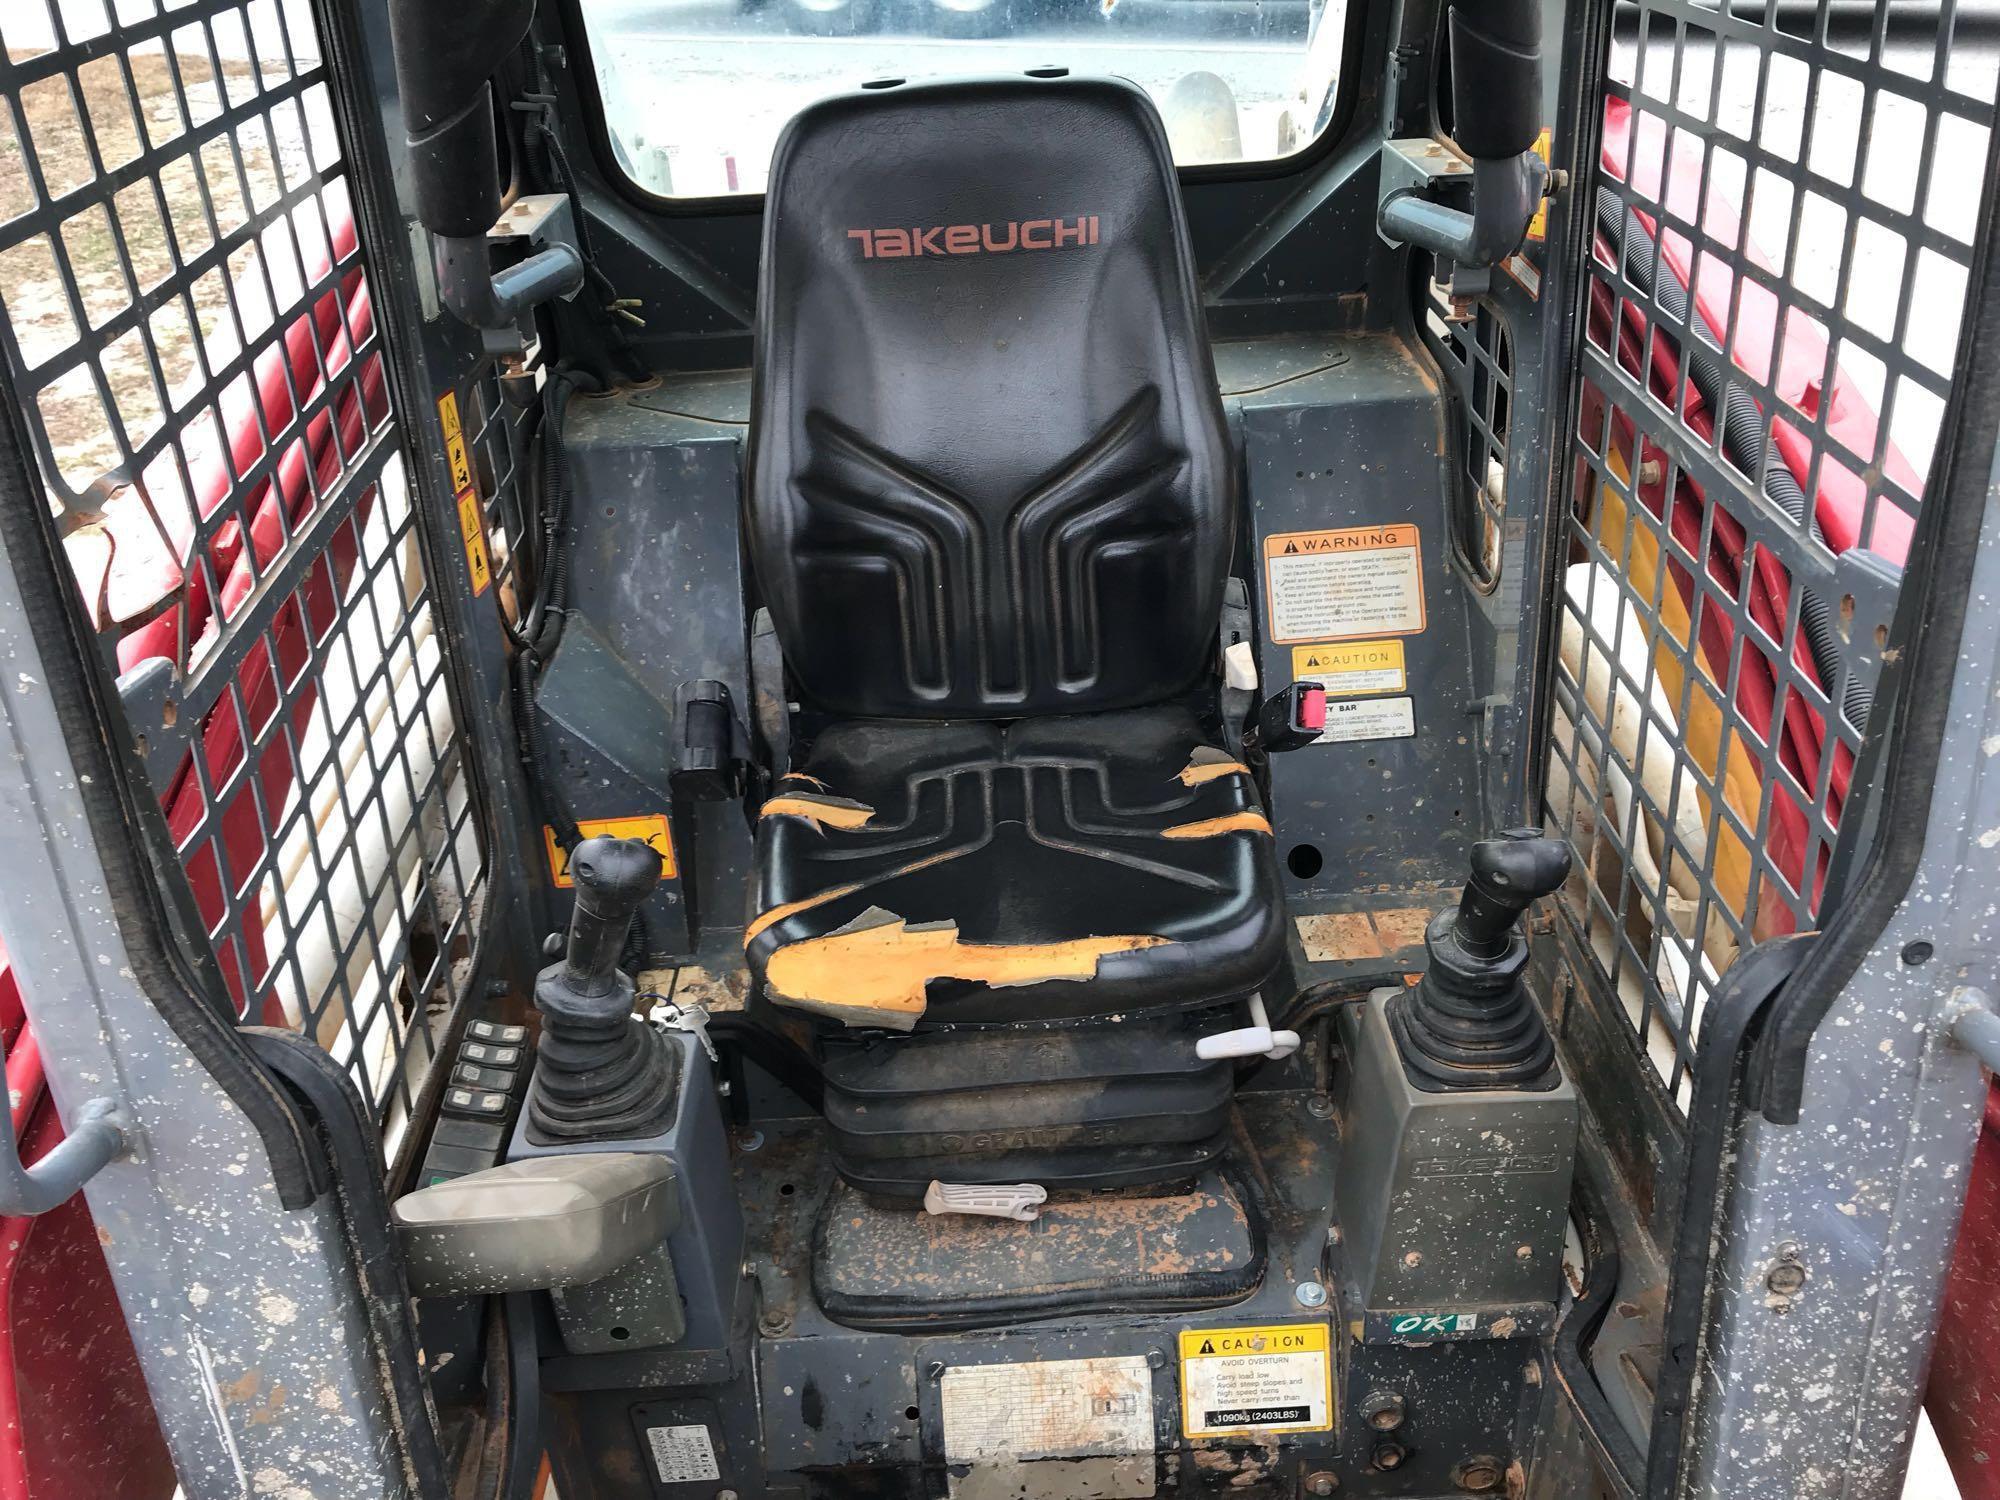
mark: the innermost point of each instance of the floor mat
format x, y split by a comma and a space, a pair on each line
890, 1267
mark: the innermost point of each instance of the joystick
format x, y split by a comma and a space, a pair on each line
1468, 1024
603, 1074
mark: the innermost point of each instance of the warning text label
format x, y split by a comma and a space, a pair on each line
1368, 719
1349, 669
1236, 1380
1338, 584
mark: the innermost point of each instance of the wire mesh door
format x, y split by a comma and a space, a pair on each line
189, 334
1784, 201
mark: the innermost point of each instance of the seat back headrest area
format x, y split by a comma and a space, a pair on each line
989, 470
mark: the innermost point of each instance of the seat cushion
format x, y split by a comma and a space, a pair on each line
1048, 870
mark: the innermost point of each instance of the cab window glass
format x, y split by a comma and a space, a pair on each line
696, 91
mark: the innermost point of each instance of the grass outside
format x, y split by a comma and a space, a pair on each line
196, 196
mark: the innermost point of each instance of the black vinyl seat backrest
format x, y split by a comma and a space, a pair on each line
989, 472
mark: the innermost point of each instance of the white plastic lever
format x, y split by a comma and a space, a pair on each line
993, 1200
1255, 1040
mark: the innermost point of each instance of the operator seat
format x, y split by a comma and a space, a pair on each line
990, 502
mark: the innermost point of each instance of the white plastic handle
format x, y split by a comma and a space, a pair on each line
992, 1200
1255, 1040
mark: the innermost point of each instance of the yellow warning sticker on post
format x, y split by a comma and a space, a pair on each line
471, 519
472, 528
1538, 226
652, 827
461, 464
1245, 1380
454, 442
1351, 669
1345, 582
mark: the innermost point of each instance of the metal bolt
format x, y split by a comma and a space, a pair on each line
1477, 1475
1320, 1108
725, 1495
1310, 1294
1524, 1252
1156, 1358
1786, 1278
749, 1140
1389, 1455
935, 1369
1321, 1483
1384, 1410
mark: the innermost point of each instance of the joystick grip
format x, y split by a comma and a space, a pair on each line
612, 877
1509, 874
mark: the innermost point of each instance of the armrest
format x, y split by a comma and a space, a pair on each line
539, 1224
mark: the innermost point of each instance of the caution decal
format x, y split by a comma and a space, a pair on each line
1351, 669
1243, 1380
1345, 582
471, 515
651, 827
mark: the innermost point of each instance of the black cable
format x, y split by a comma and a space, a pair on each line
1622, 1460
1740, 422
1329, 995
550, 164
774, 1052
544, 612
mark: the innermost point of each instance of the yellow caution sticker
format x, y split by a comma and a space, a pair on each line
1344, 582
472, 527
1351, 669
1236, 1381
652, 827
471, 516
1538, 227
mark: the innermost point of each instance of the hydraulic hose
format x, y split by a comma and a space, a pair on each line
1329, 995
1745, 440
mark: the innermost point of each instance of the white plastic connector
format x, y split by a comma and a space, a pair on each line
992, 1200
1239, 667
1255, 1040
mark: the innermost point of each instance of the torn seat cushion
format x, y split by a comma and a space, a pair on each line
1046, 870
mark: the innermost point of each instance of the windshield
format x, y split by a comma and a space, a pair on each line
696, 91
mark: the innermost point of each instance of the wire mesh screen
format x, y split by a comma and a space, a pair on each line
1474, 350
1784, 201
499, 434
189, 332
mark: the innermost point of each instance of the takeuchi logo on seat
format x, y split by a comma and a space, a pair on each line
976, 239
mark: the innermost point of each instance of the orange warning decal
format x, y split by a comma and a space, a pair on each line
652, 827
1344, 582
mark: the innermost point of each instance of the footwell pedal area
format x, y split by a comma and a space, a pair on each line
889, 1267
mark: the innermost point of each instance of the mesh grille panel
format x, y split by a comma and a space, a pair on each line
1476, 354
1784, 202
189, 330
